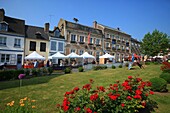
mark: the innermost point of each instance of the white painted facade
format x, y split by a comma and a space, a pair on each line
58, 46
10, 52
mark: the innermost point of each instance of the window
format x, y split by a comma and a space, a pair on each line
2, 41
117, 47
53, 45
73, 50
17, 42
81, 52
3, 27
60, 46
107, 36
91, 40
32, 46
5, 58
107, 45
113, 41
123, 48
81, 38
73, 37
42, 46
113, 36
57, 33
98, 41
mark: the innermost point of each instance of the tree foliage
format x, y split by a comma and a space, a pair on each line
154, 43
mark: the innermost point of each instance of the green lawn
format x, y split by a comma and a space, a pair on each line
49, 90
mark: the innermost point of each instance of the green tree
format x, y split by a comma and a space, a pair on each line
154, 43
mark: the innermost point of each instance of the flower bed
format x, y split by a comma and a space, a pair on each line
129, 96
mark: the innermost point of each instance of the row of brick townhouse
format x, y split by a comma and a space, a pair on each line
18, 40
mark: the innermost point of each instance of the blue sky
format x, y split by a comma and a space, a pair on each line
135, 17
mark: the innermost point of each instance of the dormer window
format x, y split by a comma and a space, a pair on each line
57, 33
3, 26
38, 34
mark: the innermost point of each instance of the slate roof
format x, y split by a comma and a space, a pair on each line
15, 26
113, 29
81, 27
35, 32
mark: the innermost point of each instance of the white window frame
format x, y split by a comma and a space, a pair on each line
98, 41
5, 59
81, 37
73, 50
3, 41
107, 44
75, 37
81, 52
17, 42
62, 46
55, 46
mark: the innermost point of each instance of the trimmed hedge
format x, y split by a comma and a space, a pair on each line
10, 74
81, 69
99, 67
113, 67
165, 76
67, 70
120, 66
158, 84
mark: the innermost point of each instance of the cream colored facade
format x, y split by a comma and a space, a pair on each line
37, 41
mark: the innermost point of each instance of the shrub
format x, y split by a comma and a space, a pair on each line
158, 84
10, 74
50, 70
81, 69
165, 76
35, 72
99, 67
113, 67
147, 63
67, 70
128, 97
120, 66
27, 72
156, 63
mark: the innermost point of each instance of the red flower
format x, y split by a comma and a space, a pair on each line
137, 97
148, 83
129, 98
122, 104
65, 108
138, 79
87, 86
77, 109
91, 81
113, 97
58, 105
101, 88
88, 110
143, 103
129, 77
138, 92
76, 89
151, 92
146, 94
115, 85
94, 97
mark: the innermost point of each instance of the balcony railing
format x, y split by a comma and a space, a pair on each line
113, 48
108, 48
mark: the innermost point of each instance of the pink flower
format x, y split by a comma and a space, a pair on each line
21, 76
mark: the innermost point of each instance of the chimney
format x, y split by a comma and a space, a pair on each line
95, 24
46, 27
2, 14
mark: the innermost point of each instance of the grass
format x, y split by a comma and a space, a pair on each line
49, 90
